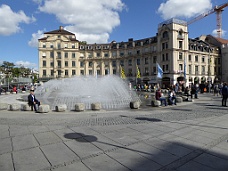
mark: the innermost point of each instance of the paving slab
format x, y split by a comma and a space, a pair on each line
30, 159
6, 163
24, 142
6, 145
58, 154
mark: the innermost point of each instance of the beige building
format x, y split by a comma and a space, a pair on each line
61, 55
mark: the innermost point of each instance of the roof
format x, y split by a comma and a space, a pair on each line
60, 31
222, 41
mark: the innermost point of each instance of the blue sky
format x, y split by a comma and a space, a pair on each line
94, 21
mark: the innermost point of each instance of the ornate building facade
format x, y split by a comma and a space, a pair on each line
181, 58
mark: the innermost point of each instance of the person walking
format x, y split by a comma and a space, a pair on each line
32, 101
224, 94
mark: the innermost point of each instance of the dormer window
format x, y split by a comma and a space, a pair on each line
165, 35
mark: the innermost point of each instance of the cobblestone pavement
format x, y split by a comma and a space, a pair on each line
189, 136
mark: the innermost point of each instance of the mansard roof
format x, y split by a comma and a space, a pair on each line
60, 31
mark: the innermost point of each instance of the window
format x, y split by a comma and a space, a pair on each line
138, 61
59, 64
154, 59
51, 45
73, 55
196, 70
190, 69
90, 64
106, 71
146, 60
163, 46
189, 57
114, 63
180, 56
82, 64
106, 54
129, 62
165, 35
114, 71
196, 58
166, 56
44, 73
163, 57
82, 72
44, 63
113, 54
73, 72
146, 71
130, 72
65, 45
138, 52
52, 64
59, 45
121, 53
73, 64
154, 70
52, 54
52, 72
66, 63
180, 44
73, 46
59, 72
66, 72
180, 67
59, 54
66, 55
44, 45
167, 67
122, 62
98, 54
203, 59
89, 55
203, 70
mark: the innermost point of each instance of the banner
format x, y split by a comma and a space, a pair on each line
122, 73
160, 71
138, 72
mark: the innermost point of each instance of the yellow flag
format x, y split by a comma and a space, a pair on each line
138, 72
123, 76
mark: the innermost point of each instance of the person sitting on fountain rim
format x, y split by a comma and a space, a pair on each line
32, 101
158, 96
172, 97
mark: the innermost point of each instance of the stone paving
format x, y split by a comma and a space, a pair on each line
186, 137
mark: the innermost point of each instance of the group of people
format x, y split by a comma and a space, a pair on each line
171, 97
189, 92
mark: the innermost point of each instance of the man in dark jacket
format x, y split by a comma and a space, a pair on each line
32, 101
224, 94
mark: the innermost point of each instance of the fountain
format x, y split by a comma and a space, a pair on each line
110, 91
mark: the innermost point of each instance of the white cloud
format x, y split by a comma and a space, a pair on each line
10, 20
35, 36
215, 33
183, 8
25, 64
90, 19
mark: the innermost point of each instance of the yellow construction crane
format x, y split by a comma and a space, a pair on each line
218, 10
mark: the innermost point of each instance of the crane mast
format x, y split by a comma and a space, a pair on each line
218, 10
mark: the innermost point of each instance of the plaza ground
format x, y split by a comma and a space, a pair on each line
189, 136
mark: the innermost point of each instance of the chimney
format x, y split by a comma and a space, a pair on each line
61, 28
